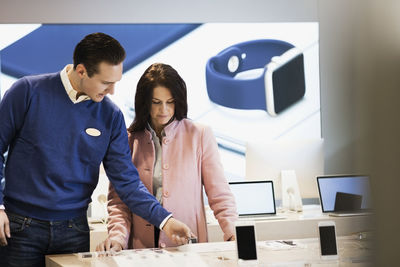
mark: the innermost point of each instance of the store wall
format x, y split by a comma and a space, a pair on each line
359, 55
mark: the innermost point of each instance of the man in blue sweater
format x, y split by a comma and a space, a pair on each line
58, 128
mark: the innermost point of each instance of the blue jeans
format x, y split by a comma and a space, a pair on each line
32, 239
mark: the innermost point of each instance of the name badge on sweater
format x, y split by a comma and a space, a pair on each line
93, 132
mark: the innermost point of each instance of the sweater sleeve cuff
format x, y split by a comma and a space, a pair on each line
164, 221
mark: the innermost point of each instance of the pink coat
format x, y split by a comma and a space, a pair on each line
190, 160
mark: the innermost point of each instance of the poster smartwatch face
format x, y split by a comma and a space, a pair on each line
284, 81
281, 84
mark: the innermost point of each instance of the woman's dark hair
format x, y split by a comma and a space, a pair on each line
96, 48
164, 75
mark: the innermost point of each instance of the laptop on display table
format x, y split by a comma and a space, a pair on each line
345, 195
255, 200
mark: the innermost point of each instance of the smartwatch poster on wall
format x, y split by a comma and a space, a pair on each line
247, 81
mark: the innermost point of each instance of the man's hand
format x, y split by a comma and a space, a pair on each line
177, 231
4, 228
109, 245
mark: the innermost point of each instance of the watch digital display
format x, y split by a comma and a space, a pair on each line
288, 83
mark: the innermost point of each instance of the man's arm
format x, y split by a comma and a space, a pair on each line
12, 112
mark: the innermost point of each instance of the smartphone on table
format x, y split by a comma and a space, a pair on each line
246, 244
327, 240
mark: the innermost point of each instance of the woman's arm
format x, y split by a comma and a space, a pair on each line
220, 197
119, 219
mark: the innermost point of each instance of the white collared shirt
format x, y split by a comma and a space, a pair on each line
71, 92
157, 174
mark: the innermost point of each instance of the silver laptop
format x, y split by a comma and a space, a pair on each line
255, 200
345, 195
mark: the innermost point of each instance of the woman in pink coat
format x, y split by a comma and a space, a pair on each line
175, 158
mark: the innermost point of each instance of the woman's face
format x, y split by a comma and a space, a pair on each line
162, 107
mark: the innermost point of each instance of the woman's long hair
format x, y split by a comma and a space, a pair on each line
158, 74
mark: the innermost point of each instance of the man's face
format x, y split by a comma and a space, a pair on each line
101, 83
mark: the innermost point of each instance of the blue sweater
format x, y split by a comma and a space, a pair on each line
53, 163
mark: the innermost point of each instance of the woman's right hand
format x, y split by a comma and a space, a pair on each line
109, 245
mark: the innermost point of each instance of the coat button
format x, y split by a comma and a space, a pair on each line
163, 245
165, 166
165, 141
166, 194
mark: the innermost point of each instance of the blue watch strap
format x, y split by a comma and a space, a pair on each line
50, 47
225, 90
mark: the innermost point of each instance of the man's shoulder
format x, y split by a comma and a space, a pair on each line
109, 104
42, 78
29, 85
41, 81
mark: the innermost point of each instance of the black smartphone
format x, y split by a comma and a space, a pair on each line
246, 241
327, 238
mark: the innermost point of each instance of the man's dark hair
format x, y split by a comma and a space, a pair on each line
164, 75
96, 48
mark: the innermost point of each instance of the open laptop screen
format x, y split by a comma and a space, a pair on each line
254, 197
344, 193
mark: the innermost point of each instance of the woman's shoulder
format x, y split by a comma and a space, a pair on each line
188, 123
195, 129
138, 134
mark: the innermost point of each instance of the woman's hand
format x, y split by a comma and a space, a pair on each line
109, 245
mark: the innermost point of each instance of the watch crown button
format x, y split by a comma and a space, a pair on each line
233, 63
